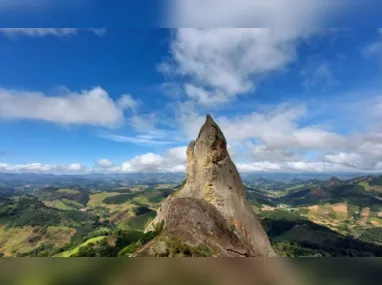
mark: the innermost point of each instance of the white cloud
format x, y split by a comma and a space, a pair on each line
139, 139
223, 63
262, 153
172, 160
219, 64
258, 166
146, 123
205, 97
279, 134
178, 154
258, 158
347, 159
144, 162
128, 102
92, 107
315, 166
275, 128
43, 32
294, 166
104, 163
147, 132
37, 167
76, 167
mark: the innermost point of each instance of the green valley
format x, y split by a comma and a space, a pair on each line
309, 217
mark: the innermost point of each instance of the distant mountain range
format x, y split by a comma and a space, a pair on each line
171, 176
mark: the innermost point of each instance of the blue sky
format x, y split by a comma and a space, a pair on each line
130, 99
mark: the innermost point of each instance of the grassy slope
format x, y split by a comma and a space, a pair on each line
97, 199
138, 222
76, 249
24, 239
69, 191
292, 235
63, 204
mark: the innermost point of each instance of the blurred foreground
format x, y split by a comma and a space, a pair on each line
190, 271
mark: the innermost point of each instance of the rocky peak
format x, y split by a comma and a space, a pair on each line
213, 180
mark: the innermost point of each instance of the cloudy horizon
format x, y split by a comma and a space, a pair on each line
288, 98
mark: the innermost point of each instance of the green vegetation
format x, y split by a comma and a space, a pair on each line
52, 194
29, 212
292, 235
69, 191
139, 222
43, 250
131, 248
98, 198
76, 250
302, 218
157, 195
373, 235
257, 199
63, 204
124, 243
118, 199
33, 241
349, 193
376, 181
174, 247
141, 210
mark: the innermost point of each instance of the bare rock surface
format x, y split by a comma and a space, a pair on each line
211, 208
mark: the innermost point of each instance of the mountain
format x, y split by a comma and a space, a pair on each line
362, 192
210, 214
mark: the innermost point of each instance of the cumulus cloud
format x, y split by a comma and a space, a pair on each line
144, 162
274, 139
91, 107
315, 166
263, 153
291, 166
276, 128
258, 166
76, 167
178, 154
218, 64
43, 32
279, 134
367, 156
128, 102
104, 163
223, 63
171, 160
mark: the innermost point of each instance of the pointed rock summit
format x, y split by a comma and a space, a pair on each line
210, 210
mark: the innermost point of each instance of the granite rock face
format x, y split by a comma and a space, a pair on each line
211, 208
